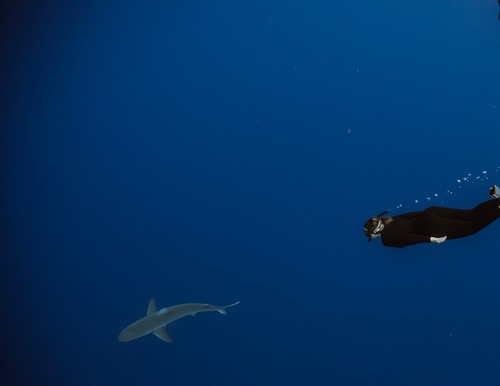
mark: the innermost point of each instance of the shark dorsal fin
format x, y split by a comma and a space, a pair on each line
152, 307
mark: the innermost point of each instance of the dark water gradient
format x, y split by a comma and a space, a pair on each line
202, 152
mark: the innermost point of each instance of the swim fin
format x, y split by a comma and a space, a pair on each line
495, 192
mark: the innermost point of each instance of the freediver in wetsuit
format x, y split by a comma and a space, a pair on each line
433, 225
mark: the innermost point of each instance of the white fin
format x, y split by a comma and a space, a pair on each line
223, 311
162, 334
152, 306
232, 305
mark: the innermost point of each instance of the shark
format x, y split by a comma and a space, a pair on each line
155, 321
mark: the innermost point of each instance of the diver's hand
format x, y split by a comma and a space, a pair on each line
438, 240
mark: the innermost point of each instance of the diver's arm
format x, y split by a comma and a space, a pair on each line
400, 240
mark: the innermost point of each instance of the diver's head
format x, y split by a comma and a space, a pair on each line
374, 226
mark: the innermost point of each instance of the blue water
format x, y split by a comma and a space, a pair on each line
222, 151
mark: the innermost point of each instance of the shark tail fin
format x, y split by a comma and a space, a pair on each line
223, 311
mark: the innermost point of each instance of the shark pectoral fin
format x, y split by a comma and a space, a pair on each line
162, 334
152, 306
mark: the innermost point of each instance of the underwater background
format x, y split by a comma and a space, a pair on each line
230, 151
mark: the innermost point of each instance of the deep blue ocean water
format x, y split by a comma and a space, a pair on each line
216, 152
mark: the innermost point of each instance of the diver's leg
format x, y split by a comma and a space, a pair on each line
451, 213
457, 223
464, 214
487, 206
486, 213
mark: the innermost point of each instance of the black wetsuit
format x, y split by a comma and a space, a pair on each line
419, 227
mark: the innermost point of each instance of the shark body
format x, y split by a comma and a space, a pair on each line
155, 321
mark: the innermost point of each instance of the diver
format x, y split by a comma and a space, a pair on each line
433, 225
